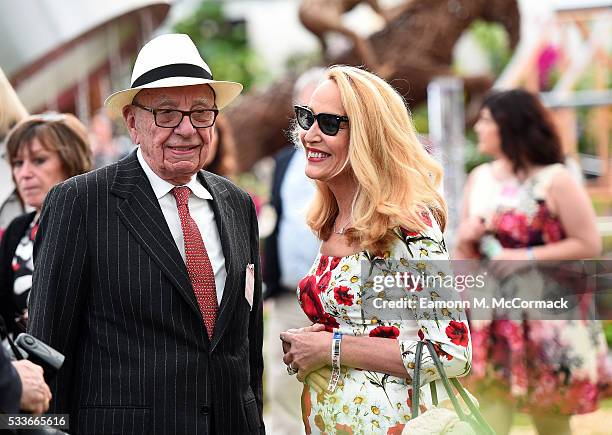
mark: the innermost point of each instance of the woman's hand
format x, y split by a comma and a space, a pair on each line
469, 234
307, 351
316, 327
471, 230
319, 379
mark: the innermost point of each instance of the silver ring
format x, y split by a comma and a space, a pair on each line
291, 370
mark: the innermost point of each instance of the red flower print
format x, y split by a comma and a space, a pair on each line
458, 333
309, 298
407, 233
409, 399
409, 402
342, 295
334, 263
437, 347
385, 332
322, 264
324, 282
312, 306
396, 430
410, 281
426, 218
440, 352
329, 321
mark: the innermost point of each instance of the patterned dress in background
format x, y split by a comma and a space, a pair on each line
541, 366
334, 293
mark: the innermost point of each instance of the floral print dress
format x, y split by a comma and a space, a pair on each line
541, 366
334, 293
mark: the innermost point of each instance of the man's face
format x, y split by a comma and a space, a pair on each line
175, 154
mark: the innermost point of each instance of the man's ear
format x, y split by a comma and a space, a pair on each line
129, 116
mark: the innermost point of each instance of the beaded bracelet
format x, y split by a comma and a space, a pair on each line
335, 360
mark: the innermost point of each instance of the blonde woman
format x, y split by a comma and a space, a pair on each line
376, 208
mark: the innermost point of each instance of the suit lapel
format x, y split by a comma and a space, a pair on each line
141, 214
226, 224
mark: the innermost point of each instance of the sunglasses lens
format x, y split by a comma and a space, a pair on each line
304, 117
329, 124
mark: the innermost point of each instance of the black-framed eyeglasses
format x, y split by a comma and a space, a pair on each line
171, 118
329, 123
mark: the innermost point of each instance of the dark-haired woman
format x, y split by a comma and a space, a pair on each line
42, 150
533, 206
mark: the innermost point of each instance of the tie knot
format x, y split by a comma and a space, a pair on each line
181, 194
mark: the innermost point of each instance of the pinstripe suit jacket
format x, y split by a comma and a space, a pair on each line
111, 292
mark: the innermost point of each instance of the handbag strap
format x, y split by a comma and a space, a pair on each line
416, 379
445, 382
473, 408
475, 418
434, 393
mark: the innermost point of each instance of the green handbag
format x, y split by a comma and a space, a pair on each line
474, 418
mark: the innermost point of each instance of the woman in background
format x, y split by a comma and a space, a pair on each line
536, 210
42, 151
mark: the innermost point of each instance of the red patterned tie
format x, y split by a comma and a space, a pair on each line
198, 264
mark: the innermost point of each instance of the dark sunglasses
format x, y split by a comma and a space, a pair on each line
329, 124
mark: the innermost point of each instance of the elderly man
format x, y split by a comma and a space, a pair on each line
147, 272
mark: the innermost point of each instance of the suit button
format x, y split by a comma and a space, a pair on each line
205, 410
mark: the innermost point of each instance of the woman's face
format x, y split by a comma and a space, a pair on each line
489, 141
326, 155
36, 170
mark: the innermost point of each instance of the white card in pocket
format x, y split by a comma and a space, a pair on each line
249, 284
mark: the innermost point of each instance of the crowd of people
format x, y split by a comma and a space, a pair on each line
145, 273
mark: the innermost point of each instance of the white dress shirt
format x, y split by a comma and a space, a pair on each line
202, 213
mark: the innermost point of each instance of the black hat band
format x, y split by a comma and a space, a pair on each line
172, 70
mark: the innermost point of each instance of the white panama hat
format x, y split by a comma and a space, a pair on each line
167, 61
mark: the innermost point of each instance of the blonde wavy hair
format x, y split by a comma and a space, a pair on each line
396, 177
11, 109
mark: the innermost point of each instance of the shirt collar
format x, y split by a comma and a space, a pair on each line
161, 187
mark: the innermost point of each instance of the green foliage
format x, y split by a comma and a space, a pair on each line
607, 326
492, 37
222, 43
420, 119
587, 141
